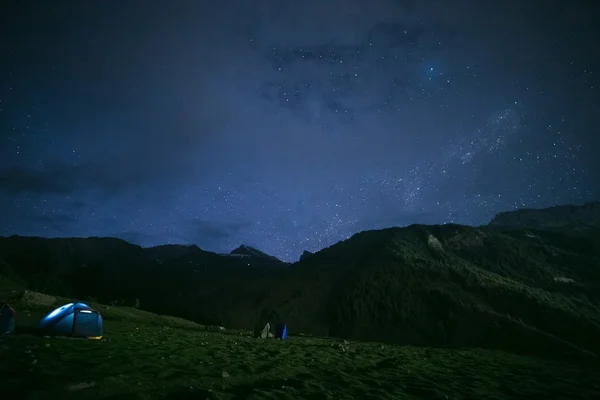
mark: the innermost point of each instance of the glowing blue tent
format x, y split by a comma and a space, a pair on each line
73, 319
281, 331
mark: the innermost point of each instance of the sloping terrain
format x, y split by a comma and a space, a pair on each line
515, 288
149, 356
452, 285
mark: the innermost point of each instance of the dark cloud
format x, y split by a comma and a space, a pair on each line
16, 180
57, 222
214, 234
138, 238
59, 178
162, 154
78, 205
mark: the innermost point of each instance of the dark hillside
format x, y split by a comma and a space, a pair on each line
449, 285
183, 280
520, 289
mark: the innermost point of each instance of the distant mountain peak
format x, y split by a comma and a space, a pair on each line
305, 254
249, 251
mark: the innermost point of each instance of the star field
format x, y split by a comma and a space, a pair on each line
290, 126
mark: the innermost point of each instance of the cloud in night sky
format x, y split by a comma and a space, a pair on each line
292, 125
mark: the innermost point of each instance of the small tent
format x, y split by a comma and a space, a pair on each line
7, 319
73, 319
274, 328
278, 331
267, 332
281, 331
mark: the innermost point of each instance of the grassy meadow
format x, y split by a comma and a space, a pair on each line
147, 356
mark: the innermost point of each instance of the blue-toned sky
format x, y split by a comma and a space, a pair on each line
291, 125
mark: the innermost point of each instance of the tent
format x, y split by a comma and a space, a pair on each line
267, 332
73, 319
275, 326
281, 331
278, 331
7, 319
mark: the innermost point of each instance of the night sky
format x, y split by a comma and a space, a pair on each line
291, 125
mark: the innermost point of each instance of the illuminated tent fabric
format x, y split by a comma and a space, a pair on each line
266, 332
275, 326
281, 331
73, 319
7, 319
278, 331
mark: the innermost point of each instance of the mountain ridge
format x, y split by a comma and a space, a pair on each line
450, 284
561, 216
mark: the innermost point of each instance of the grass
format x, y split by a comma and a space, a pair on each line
147, 356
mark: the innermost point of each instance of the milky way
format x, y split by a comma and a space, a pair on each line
292, 125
